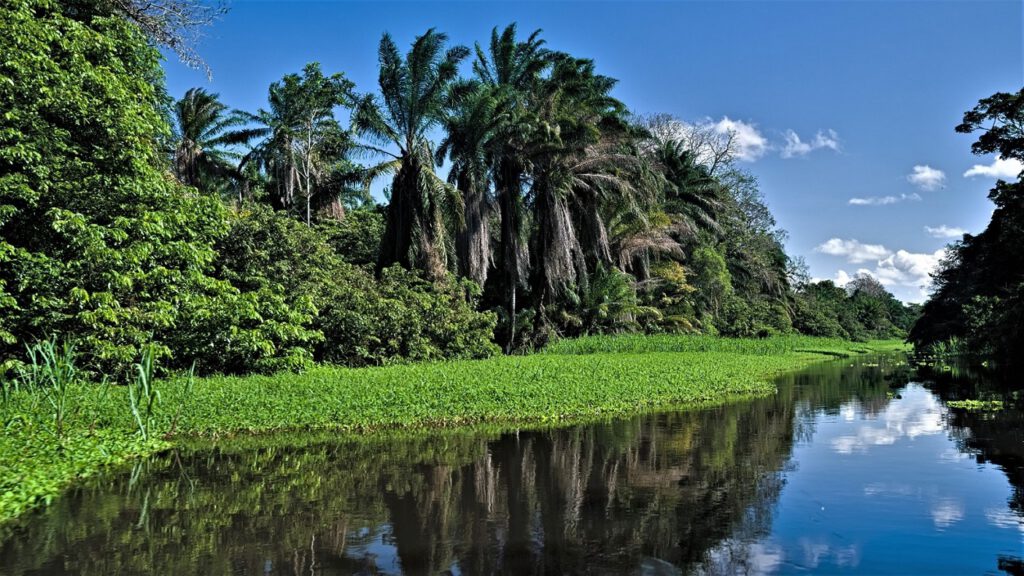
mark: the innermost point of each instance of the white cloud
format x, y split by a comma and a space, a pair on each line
750, 143
841, 278
908, 268
944, 231
884, 200
743, 138
999, 168
854, 251
894, 269
927, 178
794, 146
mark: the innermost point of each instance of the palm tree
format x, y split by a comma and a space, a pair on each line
473, 127
692, 192
302, 147
203, 157
414, 91
578, 165
515, 70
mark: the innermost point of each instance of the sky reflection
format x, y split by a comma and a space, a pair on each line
917, 413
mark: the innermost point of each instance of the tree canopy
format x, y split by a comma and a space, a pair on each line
977, 304
248, 240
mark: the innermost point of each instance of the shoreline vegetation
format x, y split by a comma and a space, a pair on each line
148, 234
570, 382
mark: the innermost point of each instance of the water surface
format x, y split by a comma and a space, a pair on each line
853, 467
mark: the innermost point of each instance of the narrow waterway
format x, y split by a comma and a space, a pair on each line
855, 466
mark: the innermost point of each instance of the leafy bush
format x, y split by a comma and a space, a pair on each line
606, 303
758, 318
354, 318
356, 238
97, 242
402, 317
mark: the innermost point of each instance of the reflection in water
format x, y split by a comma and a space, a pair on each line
918, 413
742, 488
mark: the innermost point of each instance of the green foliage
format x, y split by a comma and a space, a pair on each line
703, 343
56, 428
758, 317
416, 320
710, 275
863, 310
978, 297
302, 149
143, 395
415, 90
202, 155
670, 292
37, 469
354, 318
821, 310
977, 405
356, 238
608, 303
49, 374
998, 119
98, 242
100, 245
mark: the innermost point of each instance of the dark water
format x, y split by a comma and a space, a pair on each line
853, 467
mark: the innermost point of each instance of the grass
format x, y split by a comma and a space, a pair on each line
578, 380
977, 405
638, 344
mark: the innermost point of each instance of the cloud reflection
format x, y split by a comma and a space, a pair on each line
737, 556
918, 413
1004, 519
818, 552
946, 512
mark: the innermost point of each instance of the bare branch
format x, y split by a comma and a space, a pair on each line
175, 24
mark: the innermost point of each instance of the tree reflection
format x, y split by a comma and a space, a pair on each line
995, 436
657, 493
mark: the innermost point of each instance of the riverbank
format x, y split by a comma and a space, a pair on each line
571, 381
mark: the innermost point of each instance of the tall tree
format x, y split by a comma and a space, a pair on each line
692, 193
576, 163
301, 143
473, 127
414, 93
515, 69
203, 137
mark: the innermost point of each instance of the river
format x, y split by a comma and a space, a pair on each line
855, 466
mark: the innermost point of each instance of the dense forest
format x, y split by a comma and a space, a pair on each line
977, 306
522, 203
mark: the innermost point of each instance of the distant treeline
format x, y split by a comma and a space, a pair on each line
247, 240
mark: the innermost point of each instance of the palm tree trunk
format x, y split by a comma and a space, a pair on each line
472, 243
335, 210
397, 240
510, 208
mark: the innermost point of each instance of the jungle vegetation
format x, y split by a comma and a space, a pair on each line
145, 235
522, 203
977, 304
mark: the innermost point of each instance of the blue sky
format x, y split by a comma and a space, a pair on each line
846, 109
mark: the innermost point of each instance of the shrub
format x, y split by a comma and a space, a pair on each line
98, 243
356, 238
355, 318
